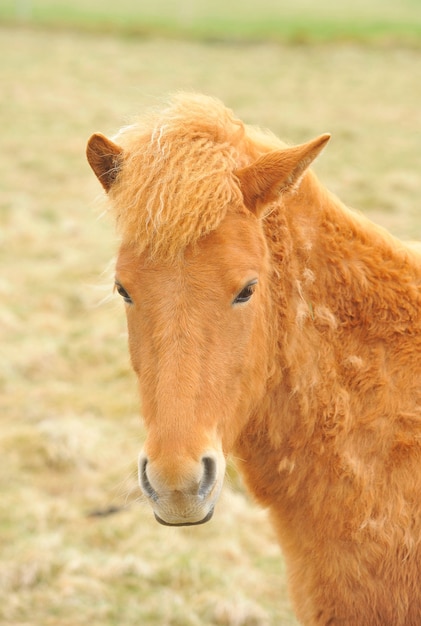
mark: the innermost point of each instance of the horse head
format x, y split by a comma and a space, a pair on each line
199, 316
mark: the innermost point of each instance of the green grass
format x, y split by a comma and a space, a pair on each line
298, 21
70, 431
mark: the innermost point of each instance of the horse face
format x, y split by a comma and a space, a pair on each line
198, 344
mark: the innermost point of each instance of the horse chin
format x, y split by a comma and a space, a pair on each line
203, 521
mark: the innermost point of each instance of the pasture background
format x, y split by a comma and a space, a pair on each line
70, 431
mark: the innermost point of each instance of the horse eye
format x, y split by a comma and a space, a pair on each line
123, 293
246, 293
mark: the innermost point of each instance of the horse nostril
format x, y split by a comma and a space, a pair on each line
146, 486
209, 476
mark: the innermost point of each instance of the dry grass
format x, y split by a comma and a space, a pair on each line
70, 432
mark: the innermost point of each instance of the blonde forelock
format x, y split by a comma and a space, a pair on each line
177, 178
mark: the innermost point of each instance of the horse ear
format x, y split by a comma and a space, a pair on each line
103, 156
273, 173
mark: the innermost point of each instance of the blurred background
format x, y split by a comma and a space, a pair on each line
77, 545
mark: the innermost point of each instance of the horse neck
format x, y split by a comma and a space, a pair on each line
342, 287
343, 293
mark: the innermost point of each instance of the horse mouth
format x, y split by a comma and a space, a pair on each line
203, 521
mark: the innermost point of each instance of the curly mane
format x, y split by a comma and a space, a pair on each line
177, 173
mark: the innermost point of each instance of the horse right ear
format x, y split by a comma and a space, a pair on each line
104, 157
276, 172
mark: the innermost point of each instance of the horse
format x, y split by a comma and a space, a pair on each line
270, 322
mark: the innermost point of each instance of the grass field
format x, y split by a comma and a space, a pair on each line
277, 20
70, 431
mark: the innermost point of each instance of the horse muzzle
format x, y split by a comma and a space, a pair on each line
182, 494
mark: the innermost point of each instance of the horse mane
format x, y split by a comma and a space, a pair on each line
177, 173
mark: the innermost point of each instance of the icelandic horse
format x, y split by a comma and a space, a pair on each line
268, 321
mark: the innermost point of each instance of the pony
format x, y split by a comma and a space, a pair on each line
268, 321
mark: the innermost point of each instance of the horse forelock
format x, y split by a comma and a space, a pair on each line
177, 178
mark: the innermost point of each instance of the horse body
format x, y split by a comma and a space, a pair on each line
343, 485
267, 320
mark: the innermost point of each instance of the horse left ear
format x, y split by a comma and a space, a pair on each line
273, 173
104, 157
